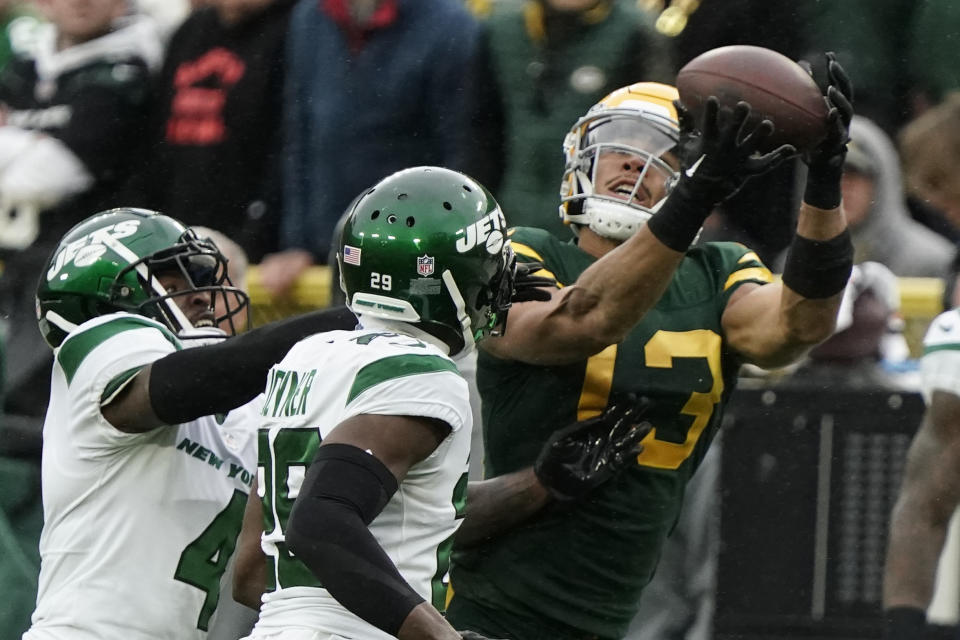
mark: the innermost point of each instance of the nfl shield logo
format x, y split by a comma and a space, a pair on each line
425, 266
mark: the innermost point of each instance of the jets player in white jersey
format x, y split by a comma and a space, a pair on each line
147, 459
930, 493
365, 435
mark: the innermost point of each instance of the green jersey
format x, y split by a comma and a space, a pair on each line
578, 569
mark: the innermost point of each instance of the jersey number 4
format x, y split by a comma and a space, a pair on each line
204, 560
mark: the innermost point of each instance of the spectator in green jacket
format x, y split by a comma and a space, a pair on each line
550, 61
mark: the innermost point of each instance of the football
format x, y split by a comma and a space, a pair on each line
776, 87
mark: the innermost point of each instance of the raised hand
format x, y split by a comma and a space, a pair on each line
825, 161
723, 150
838, 92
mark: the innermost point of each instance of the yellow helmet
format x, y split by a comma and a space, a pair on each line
639, 119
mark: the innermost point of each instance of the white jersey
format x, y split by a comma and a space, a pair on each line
322, 381
138, 528
940, 365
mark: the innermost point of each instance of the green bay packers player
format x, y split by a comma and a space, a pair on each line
365, 434
149, 449
640, 309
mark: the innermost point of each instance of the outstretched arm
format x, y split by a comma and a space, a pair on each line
598, 310
221, 377
499, 504
616, 291
773, 325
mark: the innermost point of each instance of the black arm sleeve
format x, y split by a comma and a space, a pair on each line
215, 379
344, 490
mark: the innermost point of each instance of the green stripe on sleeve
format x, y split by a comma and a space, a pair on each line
78, 346
950, 346
397, 367
117, 384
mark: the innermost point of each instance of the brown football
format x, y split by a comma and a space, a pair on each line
776, 87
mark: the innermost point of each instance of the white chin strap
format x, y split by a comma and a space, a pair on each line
619, 221
614, 220
59, 321
465, 329
201, 337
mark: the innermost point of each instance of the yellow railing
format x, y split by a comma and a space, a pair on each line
920, 297
311, 291
919, 300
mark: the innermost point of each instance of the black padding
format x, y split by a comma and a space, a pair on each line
214, 379
344, 490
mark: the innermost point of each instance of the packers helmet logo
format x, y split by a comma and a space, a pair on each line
488, 231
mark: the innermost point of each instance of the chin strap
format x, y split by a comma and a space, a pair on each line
469, 343
614, 220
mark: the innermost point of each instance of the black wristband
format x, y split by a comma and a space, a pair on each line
681, 217
904, 623
819, 269
823, 187
203, 381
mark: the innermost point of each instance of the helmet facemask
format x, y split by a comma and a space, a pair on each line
502, 288
493, 301
114, 261
627, 137
203, 269
618, 138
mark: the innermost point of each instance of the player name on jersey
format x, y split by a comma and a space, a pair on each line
287, 393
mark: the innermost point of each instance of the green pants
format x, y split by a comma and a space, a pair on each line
468, 615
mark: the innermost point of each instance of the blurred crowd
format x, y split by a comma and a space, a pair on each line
263, 119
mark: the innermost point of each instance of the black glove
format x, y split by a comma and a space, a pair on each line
729, 145
528, 287
473, 635
721, 155
825, 161
584, 455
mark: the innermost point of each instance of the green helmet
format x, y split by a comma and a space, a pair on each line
428, 246
110, 262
